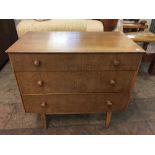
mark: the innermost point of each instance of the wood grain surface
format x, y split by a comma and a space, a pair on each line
75, 103
74, 82
75, 62
74, 42
141, 36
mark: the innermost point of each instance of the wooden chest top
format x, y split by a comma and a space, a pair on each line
74, 42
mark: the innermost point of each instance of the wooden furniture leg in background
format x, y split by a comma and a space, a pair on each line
108, 119
145, 45
152, 67
43, 121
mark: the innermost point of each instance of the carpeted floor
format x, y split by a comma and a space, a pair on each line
138, 119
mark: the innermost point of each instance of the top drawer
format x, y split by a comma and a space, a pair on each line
75, 62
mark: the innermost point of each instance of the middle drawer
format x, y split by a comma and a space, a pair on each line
73, 82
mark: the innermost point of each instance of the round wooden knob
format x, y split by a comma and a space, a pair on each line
40, 83
112, 83
36, 63
116, 63
109, 103
43, 104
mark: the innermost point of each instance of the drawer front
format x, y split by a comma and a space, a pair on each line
75, 62
75, 103
73, 82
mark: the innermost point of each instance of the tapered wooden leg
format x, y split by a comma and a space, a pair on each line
43, 121
108, 119
145, 45
152, 67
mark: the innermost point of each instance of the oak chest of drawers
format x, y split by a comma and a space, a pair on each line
75, 72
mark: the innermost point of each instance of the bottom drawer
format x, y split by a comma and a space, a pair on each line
75, 103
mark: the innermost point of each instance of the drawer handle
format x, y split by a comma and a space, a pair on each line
116, 62
43, 104
40, 83
112, 83
36, 63
109, 103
